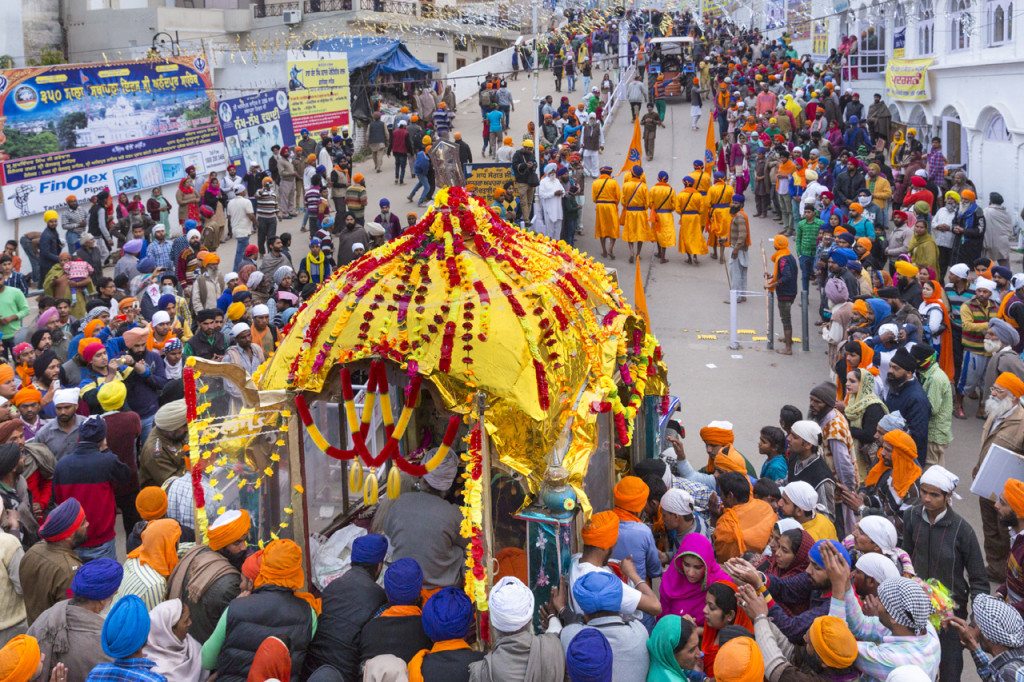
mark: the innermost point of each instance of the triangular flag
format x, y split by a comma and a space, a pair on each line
635, 151
710, 146
639, 297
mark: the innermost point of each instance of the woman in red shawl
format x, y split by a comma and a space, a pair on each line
720, 610
942, 337
790, 544
188, 201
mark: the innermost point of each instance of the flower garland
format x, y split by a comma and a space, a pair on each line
473, 519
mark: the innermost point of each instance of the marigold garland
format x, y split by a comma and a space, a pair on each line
473, 519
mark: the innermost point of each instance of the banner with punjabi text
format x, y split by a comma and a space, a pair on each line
906, 80
318, 90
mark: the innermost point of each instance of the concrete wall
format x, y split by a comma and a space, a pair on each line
466, 81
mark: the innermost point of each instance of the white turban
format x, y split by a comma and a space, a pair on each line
921, 172
239, 328
193, 234
880, 531
960, 270
510, 604
877, 566
550, 168
677, 501
985, 283
357, 246
808, 430
890, 328
160, 317
908, 673
942, 478
788, 524
230, 276
802, 494
720, 425
65, 396
255, 279
443, 475
260, 310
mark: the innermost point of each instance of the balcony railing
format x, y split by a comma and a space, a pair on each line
425, 10
864, 64
261, 10
389, 6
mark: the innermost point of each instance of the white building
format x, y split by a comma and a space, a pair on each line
976, 81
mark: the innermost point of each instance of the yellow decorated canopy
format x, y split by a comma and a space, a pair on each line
478, 304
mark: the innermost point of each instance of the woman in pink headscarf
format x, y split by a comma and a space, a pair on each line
684, 585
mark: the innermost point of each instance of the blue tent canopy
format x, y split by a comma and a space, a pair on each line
385, 55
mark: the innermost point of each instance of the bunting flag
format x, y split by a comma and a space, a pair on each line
635, 151
639, 297
710, 146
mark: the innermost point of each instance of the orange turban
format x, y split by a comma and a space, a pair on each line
729, 459
832, 640
602, 531
229, 528
968, 195
6, 373
864, 243
93, 327
905, 470
151, 503
1013, 493
83, 344
159, 549
717, 435
19, 659
839, 230
631, 494
282, 566
1008, 380
126, 303
251, 566
28, 394
739, 660
860, 307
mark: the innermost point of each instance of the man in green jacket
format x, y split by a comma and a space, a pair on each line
939, 390
807, 242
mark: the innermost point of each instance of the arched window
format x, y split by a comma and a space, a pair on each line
996, 130
999, 19
926, 27
961, 24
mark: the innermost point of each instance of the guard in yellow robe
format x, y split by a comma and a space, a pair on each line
661, 199
701, 177
719, 198
692, 210
605, 193
634, 219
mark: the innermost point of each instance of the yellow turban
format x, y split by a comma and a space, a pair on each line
151, 503
1013, 493
860, 306
236, 310
729, 459
19, 659
50, 215
631, 494
906, 269
602, 531
112, 395
833, 642
953, 195
739, 660
229, 528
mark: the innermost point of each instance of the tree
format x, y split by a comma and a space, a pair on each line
48, 56
20, 145
6, 61
66, 127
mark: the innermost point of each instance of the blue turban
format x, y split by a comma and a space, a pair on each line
327, 222
598, 591
147, 264
698, 163
854, 120
190, 225
369, 549
126, 628
842, 256
304, 131
588, 657
688, 181
447, 615
384, 202
403, 581
321, 170
97, 580
846, 238
63, 521
92, 430
165, 301
815, 553
1002, 271
718, 175
638, 171
738, 199
241, 296
662, 175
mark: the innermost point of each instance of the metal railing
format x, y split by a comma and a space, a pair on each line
389, 6
276, 9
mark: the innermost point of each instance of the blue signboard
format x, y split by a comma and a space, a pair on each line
253, 124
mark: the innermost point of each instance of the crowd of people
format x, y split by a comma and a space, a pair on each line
843, 557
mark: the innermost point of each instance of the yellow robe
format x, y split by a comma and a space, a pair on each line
821, 528
701, 180
692, 210
605, 193
661, 200
634, 212
719, 198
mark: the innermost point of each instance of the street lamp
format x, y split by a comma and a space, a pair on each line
163, 39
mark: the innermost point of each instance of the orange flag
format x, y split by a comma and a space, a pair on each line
639, 297
710, 146
635, 151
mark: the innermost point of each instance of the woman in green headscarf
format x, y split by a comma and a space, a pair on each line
923, 250
863, 411
674, 647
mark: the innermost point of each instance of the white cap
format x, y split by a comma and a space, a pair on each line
802, 494
985, 283
239, 328
230, 276
960, 270
890, 328
877, 566
677, 501
159, 227
65, 396
807, 430
160, 317
260, 310
358, 245
921, 172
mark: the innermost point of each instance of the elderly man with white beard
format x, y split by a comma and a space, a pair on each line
1000, 341
1004, 426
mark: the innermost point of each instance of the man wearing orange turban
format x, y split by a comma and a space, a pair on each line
895, 473
1010, 507
1003, 427
148, 566
277, 605
739, 660
746, 522
20, 659
151, 503
636, 541
600, 537
207, 577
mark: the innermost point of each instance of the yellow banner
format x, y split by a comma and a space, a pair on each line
318, 93
906, 80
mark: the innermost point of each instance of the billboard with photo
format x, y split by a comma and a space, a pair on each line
77, 128
318, 90
252, 125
